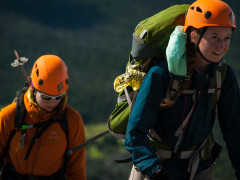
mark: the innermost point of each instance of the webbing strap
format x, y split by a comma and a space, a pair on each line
64, 125
175, 84
127, 160
209, 91
193, 166
170, 154
184, 123
145, 63
194, 161
124, 98
219, 84
189, 91
171, 91
36, 136
71, 151
128, 97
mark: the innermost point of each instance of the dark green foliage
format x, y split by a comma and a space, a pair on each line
92, 37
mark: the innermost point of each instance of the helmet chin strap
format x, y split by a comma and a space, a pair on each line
197, 45
198, 50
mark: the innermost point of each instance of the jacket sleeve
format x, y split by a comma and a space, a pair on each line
143, 116
7, 121
76, 168
229, 119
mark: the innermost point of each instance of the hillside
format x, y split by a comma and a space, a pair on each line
93, 37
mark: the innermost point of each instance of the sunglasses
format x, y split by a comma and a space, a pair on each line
49, 97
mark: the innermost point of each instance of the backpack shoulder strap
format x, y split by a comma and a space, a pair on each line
20, 109
175, 89
20, 114
215, 89
217, 82
42, 127
64, 124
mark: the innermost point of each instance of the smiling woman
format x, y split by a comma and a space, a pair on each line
212, 47
170, 137
216, 42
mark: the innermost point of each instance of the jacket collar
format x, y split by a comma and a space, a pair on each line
38, 114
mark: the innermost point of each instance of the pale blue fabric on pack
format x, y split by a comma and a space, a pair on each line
176, 52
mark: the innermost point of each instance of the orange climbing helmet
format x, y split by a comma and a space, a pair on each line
50, 75
204, 13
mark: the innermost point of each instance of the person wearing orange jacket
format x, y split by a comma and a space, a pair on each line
40, 150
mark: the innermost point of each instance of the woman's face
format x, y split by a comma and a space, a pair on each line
215, 43
47, 105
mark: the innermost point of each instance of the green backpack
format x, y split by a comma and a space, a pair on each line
149, 43
150, 40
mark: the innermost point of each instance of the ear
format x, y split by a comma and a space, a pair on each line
193, 37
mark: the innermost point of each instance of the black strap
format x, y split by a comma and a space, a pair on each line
20, 118
71, 151
20, 109
38, 133
42, 126
197, 45
127, 160
64, 125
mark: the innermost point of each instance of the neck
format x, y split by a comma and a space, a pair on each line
200, 64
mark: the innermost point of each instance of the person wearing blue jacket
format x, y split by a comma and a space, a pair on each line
169, 134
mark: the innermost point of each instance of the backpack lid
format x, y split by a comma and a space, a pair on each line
151, 35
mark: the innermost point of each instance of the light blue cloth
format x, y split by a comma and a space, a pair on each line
176, 52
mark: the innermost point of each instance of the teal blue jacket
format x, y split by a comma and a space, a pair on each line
146, 114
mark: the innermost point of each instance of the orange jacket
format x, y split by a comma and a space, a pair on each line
47, 153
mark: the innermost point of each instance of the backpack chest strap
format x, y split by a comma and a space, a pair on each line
211, 90
40, 128
164, 154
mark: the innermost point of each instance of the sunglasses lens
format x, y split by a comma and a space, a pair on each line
59, 97
46, 97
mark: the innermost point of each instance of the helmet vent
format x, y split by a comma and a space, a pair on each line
192, 8
40, 82
199, 9
207, 14
232, 18
37, 73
